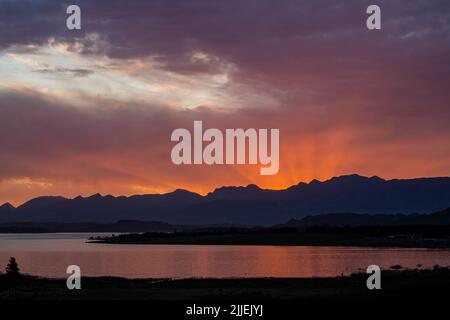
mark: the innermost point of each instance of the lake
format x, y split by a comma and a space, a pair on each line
49, 255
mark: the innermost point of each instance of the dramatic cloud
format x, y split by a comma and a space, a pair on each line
92, 110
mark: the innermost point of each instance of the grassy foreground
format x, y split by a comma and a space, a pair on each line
406, 284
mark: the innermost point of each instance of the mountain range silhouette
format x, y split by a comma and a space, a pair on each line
248, 205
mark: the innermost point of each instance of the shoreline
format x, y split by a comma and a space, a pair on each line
319, 236
335, 245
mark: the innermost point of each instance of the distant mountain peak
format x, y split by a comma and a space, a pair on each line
96, 196
43, 199
181, 194
349, 178
251, 186
7, 206
355, 178
180, 191
251, 191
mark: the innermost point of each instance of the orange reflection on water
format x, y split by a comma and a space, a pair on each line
49, 255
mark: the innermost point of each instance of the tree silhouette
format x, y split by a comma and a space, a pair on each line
12, 268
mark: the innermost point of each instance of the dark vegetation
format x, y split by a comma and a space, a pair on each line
422, 285
12, 269
377, 236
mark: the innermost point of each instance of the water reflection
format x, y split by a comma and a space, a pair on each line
50, 254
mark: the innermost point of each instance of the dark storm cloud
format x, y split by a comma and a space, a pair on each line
30, 21
268, 37
308, 52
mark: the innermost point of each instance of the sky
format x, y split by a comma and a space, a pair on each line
92, 110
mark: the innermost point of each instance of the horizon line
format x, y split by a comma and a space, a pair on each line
225, 186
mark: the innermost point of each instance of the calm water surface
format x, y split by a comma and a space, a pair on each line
50, 254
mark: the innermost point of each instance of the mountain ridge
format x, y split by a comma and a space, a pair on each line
441, 217
245, 204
